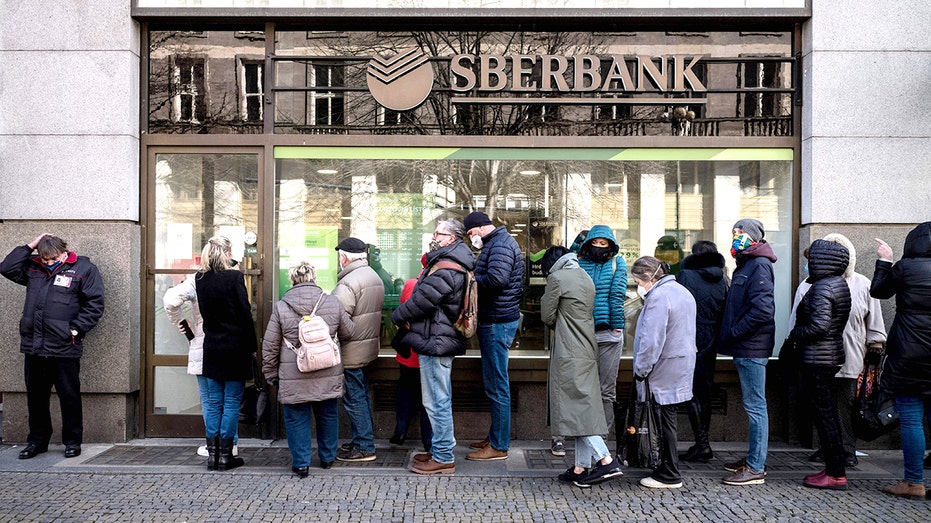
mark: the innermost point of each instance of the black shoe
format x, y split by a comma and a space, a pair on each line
326, 464
569, 476
72, 451
928, 461
397, 439
32, 450
852, 461
696, 453
601, 473
817, 457
302, 472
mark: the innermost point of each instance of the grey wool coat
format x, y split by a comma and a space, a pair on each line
572, 385
664, 347
280, 361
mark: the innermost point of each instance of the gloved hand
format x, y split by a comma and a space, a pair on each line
640, 378
272, 381
875, 353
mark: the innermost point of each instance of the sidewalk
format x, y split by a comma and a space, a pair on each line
164, 480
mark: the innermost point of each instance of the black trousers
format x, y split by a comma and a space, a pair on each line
819, 384
41, 374
668, 469
702, 390
410, 401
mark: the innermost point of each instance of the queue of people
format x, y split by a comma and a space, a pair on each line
688, 317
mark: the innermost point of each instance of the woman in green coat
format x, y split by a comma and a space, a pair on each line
573, 388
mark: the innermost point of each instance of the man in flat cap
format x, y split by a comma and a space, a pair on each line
499, 273
362, 293
748, 334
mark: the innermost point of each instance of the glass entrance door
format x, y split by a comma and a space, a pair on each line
192, 197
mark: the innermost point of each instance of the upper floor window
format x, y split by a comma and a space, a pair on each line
328, 107
188, 99
251, 90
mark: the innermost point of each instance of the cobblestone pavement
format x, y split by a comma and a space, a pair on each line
49, 488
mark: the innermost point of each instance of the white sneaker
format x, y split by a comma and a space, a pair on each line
652, 483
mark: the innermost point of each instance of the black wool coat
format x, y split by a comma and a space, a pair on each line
229, 331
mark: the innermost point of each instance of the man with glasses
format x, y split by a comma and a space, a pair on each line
64, 301
429, 315
499, 273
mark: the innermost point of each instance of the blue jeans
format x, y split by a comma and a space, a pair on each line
356, 403
436, 385
297, 425
589, 449
202, 387
494, 340
911, 410
752, 374
221, 410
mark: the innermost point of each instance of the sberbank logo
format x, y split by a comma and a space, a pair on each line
401, 82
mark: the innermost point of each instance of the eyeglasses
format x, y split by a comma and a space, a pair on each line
437, 233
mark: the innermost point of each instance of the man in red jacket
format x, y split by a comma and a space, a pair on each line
64, 300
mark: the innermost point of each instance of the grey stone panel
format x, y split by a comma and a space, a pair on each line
865, 180
111, 362
108, 418
67, 92
97, 25
77, 177
867, 94
869, 26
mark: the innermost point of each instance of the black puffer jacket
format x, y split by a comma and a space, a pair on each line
499, 273
435, 304
823, 312
703, 275
907, 369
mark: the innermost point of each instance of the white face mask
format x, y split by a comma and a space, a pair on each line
642, 292
477, 242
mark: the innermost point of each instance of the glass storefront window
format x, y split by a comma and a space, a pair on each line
657, 202
176, 392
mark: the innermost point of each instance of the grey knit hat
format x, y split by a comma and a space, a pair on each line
753, 228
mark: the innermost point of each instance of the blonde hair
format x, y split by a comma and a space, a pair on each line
215, 256
303, 272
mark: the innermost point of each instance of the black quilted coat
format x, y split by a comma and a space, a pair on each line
907, 369
823, 312
435, 305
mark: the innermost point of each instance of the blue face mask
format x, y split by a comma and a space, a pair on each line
52, 267
807, 274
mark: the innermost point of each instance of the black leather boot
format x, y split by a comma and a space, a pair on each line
701, 450
213, 452
226, 460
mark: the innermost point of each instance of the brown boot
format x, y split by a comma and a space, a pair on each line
433, 467
422, 457
479, 444
906, 489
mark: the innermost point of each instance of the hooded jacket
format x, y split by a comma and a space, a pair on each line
229, 331
435, 303
748, 327
865, 325
907, 368
610, 280
499, 273
822, 314
174, 298
573, 389
703, 275
69, 297
362, 293
278, 360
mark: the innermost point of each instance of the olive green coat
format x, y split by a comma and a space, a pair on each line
575, 407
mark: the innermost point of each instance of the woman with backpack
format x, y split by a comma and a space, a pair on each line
305, 394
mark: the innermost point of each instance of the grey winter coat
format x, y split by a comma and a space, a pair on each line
280, 361
362, 293
664, 347
572, 385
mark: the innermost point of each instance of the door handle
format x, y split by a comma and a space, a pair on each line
252, 272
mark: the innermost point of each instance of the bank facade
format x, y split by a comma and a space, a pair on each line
137, 130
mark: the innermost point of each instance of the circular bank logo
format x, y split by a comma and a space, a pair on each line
400, 82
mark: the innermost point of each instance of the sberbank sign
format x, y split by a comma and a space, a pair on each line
549, 73
404, 80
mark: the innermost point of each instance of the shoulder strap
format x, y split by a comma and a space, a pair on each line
446, 264
320, 299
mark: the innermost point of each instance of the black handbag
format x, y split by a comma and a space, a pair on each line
875, 412
254, 403
639, 443
397, 342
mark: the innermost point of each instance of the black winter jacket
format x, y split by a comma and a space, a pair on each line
435, 304
703, 276
70, 297
748, 328
229, 331
499, 273
907, 368
822, 314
